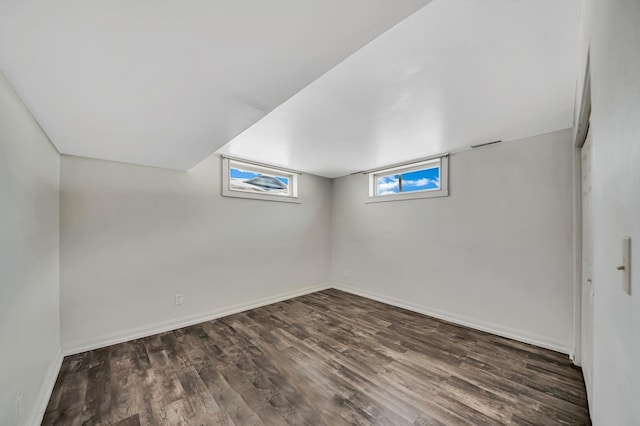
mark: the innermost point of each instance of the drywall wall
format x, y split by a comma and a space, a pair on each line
611, 34
132, 237
29, 277
496, 254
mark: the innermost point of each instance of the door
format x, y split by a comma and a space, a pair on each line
587, 268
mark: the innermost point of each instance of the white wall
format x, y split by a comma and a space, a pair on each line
132, 237
496, 254
29, 276
611, 30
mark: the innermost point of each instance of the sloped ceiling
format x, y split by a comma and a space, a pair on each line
454, 74
165, 82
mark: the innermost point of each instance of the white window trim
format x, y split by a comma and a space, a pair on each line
413, 195
228, 163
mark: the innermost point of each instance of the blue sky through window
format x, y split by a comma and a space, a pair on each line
244, 175
419, 180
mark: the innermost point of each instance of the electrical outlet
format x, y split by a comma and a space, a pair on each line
179, 300
346, 273
626, 265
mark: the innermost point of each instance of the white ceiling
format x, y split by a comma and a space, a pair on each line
167, 82
456, 73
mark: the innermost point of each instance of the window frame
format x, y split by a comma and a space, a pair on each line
232, 163
443, 191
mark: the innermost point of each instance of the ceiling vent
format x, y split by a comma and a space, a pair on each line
485, 144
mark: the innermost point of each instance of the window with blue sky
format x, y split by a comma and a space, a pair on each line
250, 178
410, 181
242, 179
427, 179
251, 181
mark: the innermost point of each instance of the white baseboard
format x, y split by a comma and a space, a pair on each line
161, 327
151, 329
510, 333
40, 406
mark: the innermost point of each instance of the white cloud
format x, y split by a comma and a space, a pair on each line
421, 182
418, 182
388, 184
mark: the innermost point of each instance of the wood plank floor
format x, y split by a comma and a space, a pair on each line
326, 358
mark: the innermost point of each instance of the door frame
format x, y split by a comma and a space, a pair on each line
581, 126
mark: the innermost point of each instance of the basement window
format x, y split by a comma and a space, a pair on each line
248, 180
421, 179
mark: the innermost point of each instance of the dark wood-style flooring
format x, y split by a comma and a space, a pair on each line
325, 358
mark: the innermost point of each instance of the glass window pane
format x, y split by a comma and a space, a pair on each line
421, 180
387, 185
244, 180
